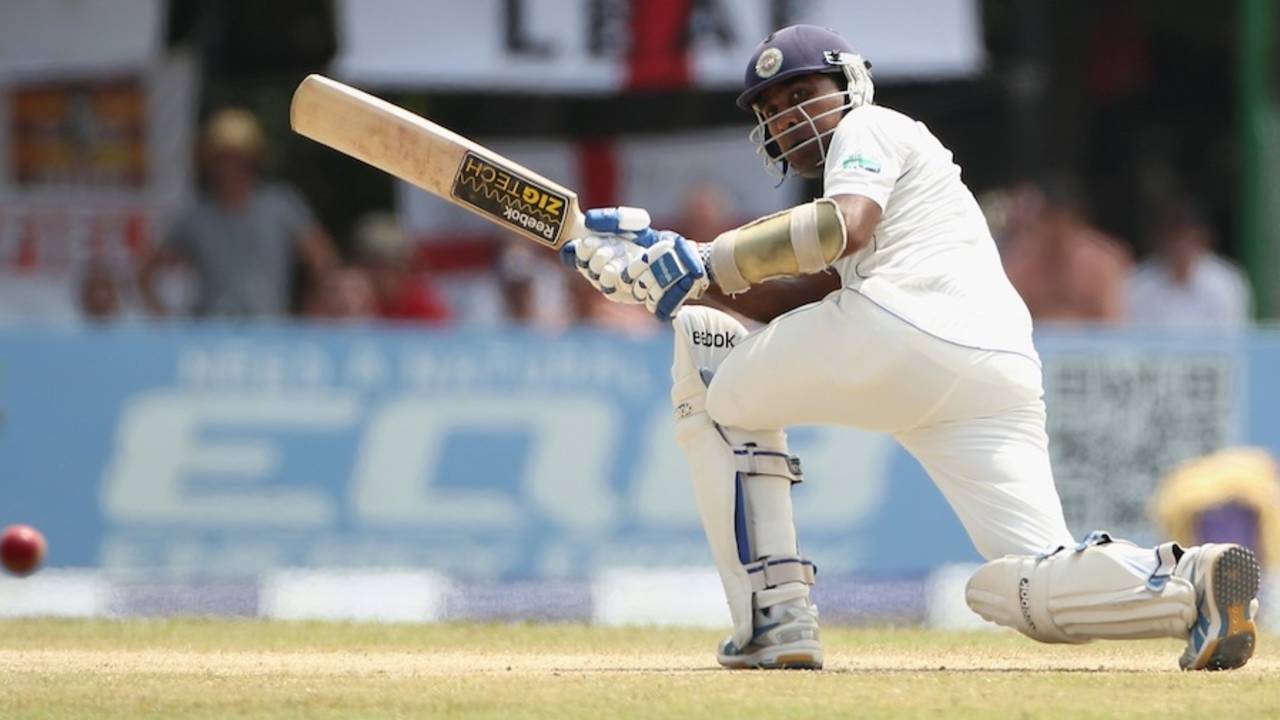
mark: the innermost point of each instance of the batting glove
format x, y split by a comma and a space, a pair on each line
602, 256
669, 273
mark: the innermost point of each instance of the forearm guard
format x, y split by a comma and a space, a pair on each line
798, 241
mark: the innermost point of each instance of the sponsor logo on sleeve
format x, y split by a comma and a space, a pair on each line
858, 161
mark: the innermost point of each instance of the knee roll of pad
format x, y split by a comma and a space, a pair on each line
704, 337
1099, 589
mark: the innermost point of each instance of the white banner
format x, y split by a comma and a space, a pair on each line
585, 46
98, 36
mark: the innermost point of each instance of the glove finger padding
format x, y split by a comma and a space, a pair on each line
569, 254
617, 220
631, 277
629, 262
598, 259
601, 259
609, 278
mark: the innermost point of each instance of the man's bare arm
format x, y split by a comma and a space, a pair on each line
861, 215
768, 300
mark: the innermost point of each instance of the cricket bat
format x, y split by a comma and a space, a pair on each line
437, 160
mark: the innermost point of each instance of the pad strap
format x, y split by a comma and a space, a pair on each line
804, 239
751, 460
770, 572
723, 268
1166, 560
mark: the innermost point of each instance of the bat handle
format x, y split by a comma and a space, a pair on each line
575, 226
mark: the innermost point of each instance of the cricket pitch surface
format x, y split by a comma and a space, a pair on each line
262, 669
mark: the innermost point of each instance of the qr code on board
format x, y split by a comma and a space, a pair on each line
1118, 424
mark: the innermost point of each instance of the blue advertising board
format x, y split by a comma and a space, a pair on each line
499, 456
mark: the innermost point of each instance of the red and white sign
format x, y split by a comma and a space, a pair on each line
605, 46
92, 166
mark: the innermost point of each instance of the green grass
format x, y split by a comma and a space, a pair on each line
221, 669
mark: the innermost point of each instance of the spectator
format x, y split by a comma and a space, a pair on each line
707, 212
1184, 283
1010, 212
242, 235
99, 293
590, 309
1065, 269
343, 294
534, 290
381, 251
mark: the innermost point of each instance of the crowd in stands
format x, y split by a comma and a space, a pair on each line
1070, 272
251, 248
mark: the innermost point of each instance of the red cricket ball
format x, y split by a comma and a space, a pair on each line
21, 549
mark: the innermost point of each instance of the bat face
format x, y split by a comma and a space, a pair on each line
437, 160
509, 198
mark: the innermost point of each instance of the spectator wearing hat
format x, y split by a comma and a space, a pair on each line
242, 235
383, 254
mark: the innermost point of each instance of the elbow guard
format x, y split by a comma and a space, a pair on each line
798, 241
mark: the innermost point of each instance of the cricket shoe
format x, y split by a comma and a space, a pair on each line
1226, 580
786, 638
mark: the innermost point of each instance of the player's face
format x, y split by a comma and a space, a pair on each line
792, 125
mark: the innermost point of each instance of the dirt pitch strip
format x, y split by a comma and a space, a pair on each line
222, 669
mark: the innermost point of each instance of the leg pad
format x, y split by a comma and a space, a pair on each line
1101, 588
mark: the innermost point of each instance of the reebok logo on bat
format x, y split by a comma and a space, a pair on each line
706, 338
542, 227
509, 197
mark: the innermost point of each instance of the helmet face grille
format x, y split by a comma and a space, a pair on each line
778, 162
859, 91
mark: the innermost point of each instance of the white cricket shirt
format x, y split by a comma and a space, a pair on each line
932, 261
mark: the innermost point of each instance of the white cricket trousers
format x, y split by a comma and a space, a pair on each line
974, 419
